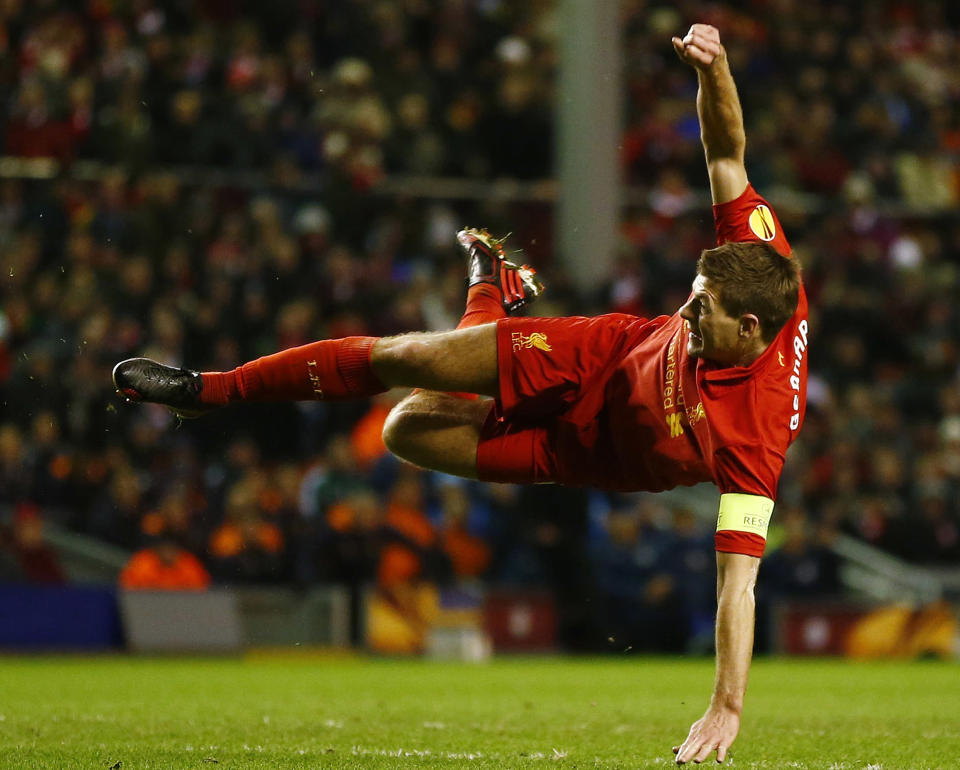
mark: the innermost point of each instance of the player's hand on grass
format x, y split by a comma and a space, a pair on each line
715, 731
700, 46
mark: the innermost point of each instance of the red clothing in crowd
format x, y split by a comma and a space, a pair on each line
146, 570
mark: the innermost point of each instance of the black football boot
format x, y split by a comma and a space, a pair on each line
141, 379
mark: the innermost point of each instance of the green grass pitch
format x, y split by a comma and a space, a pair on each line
332, 712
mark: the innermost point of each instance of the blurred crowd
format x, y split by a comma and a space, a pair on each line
853, 102
852, 97
347, 88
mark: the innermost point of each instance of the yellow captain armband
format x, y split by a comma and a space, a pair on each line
745, 513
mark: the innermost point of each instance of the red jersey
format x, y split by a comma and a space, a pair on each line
676, 420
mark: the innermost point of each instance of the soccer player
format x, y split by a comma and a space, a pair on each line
715, 392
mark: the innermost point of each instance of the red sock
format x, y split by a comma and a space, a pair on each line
484, 304
328, 370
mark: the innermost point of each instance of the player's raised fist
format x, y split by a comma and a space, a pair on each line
700, 46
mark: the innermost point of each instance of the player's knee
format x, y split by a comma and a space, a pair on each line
398, 429
393, 430
437, 431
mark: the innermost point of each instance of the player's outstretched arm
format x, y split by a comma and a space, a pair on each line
718, 728
718, 107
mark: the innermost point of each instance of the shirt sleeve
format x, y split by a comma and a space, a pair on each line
749, 218
741, 471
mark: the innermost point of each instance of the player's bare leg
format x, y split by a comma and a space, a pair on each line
437, 431
460, 360
431, 428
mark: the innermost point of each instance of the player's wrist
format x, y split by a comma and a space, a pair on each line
727, 702
716, 70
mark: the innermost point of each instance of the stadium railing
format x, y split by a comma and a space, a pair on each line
875, 574
426, 187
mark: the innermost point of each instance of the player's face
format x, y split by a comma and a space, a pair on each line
711, 332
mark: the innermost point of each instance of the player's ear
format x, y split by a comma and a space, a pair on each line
749, 325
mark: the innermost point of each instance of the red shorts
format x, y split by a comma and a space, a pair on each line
546, 425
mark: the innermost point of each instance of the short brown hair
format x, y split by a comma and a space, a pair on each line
753, 277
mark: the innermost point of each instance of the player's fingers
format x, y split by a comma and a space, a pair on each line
676, 749
705, 44
721, 753
704, 34
688, 750
696, 54
704, 752
710, 32
706, 30
677, 46
691, 43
